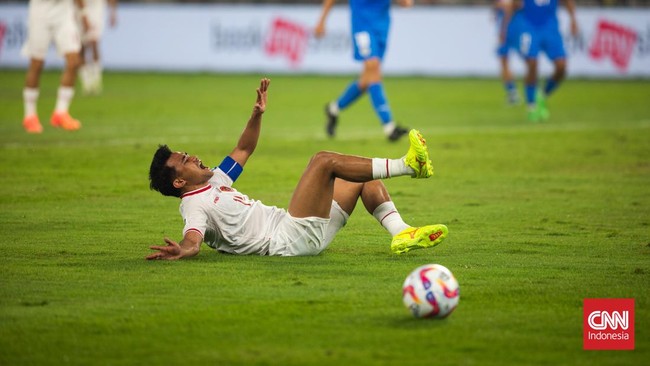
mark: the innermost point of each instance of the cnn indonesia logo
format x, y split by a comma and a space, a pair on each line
608, 324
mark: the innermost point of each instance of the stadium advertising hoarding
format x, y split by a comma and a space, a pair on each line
437, 41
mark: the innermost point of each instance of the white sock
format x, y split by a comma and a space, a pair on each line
387, 168
63, 98
30, 99
84, 76
95, 69
389, 127
389, 218
334, 108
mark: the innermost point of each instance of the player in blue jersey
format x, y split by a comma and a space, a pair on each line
370, 26
503, 50
535, 28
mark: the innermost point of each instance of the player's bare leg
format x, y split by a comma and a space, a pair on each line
61, 118
315, 190
371, 81
31, 123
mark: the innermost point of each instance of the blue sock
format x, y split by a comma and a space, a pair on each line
550, 87
379, 102
352, 93
510, 86
531, 90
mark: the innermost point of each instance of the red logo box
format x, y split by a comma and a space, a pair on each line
608, 324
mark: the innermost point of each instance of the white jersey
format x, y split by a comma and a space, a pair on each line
228, 220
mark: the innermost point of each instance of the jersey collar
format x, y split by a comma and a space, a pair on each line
196, 191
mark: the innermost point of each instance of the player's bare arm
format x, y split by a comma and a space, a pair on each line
188, 247
249, 137
509, 9
571, 9
319, 31
405, 3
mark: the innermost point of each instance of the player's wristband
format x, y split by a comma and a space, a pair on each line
231, 168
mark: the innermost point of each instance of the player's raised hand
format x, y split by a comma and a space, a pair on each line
171, 251
260, 103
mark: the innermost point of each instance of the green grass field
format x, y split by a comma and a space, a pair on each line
541, 216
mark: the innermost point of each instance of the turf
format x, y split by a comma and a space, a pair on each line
541, 216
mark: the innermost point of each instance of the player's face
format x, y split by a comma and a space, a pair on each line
189, 168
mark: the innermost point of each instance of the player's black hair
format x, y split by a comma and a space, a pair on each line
161, 176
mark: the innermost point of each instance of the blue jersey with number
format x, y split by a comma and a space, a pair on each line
535, 28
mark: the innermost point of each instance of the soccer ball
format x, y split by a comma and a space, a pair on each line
431, 291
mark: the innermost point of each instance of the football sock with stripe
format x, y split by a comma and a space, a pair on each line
389, 218
387, 168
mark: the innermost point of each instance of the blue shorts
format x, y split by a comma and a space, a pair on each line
531, 39
369, 44
502, 47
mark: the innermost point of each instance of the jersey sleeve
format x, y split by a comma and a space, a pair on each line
196, 221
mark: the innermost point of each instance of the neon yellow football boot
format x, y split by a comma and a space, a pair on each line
542, 109
533, 115
418, 157
418, 238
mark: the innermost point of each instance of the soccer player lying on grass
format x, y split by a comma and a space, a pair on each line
231, 222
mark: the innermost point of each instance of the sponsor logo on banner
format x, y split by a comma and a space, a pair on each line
3, 29
12, 35
613, 41
281, 38
608, 324
287, 39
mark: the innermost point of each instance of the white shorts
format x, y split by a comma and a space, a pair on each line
96, 14
299, 236
51, 21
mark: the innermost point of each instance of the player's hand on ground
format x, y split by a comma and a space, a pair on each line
171, 251
260, 103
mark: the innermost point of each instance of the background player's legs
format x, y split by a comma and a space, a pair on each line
371, 79
34, 71
559, 73
61, 117
530, 84
530, 81
508, 80
90, 70
332, 109
31, 122
69, 75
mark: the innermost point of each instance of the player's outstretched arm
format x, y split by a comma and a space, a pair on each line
251, 134
188, 247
